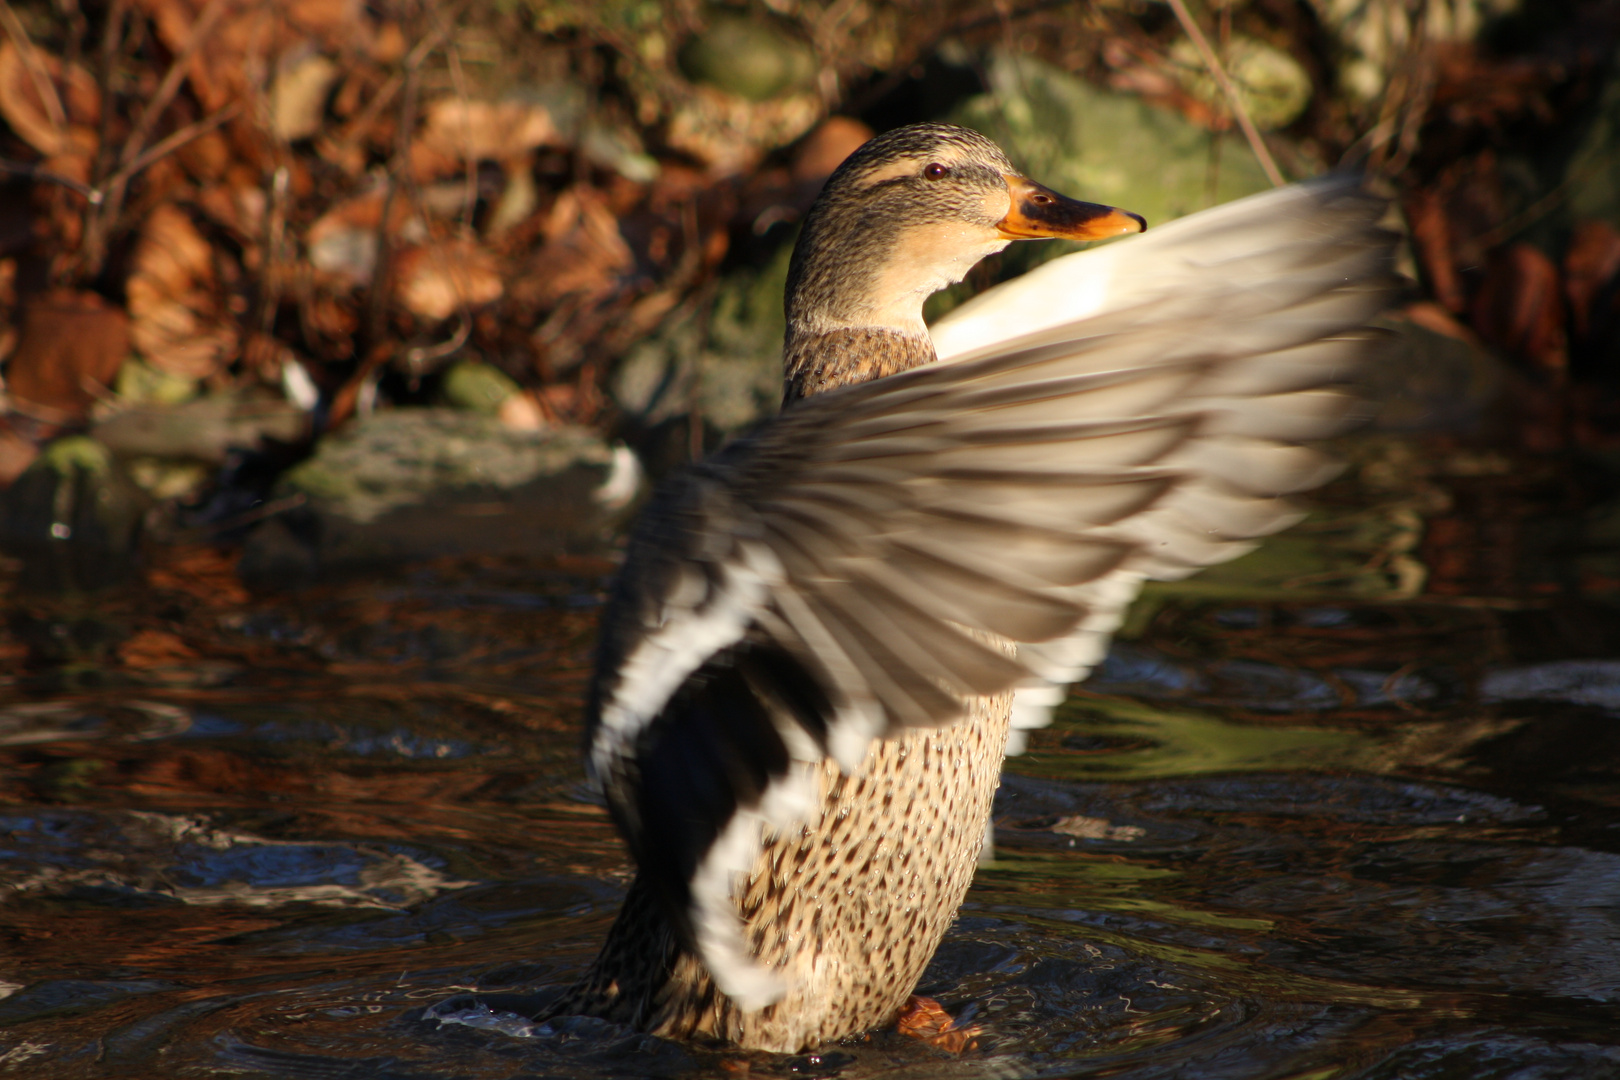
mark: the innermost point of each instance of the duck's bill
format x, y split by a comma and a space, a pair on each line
1039, 213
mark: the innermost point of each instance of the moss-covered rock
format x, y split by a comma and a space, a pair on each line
419, 483
1108, 147
724, 364
748, 57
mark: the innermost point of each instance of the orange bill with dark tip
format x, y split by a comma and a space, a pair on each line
1040, 213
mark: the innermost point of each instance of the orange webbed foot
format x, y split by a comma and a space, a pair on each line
926, 1019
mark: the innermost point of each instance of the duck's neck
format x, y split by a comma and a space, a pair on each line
814, 362
854, 310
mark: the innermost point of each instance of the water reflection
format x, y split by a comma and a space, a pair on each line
346, 835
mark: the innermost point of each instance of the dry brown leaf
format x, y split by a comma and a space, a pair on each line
1432, 316
427, 164
1520, 308
487, 130
436, 280
69, 349
178, 325
154, 648
219, 70
1090, 828
238, 53
335, 322
1592, 262
1431, 237
584, 252
203, 573
240, 209
16, 454
825, 148
23, 109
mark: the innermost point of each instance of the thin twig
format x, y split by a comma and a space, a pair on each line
1511, 226
1211, 61
37, 74
275, 239
377, 301
1417, 110
135, 156
34, 172
421, 359
108, 198
1378, 138
112, 46
171, 80
73, 47
458, 79
356, 129
174, 141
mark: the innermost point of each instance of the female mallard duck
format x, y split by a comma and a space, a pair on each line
808, 667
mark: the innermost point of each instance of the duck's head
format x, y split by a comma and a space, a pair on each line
908, 214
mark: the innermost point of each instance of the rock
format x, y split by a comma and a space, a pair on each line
731, 135
747, 57
173, 448
422, 483
139, 383
1107, 147
484, 388
203, 429
726, 368
477, 387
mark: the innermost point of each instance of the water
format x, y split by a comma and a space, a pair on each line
1311, 837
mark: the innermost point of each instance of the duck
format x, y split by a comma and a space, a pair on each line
825, 637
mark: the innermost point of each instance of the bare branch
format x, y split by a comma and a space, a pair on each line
34, 172
175, 141
1211, 61
171, 81
37, 74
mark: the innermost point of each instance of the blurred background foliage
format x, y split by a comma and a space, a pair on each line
231, 227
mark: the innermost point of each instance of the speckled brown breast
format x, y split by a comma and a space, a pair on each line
851, 907
816, 363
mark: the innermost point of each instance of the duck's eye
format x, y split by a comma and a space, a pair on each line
936, 171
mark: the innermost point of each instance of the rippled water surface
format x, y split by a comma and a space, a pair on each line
1283, 833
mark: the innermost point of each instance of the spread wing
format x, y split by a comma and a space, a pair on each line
1248, 272
846, 571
